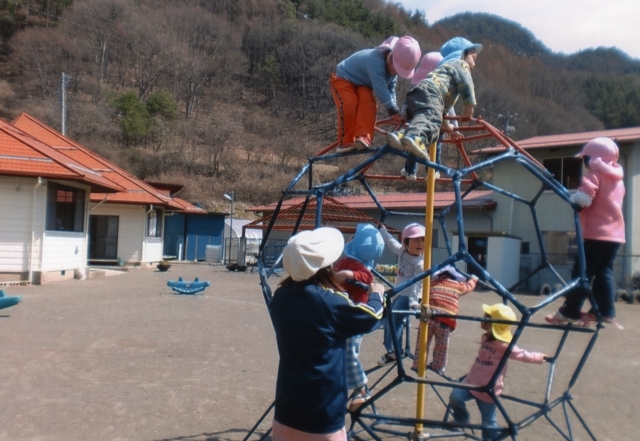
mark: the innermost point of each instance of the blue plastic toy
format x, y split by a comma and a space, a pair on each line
6, 302
182, 287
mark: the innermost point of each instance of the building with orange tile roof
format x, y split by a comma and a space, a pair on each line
70, 206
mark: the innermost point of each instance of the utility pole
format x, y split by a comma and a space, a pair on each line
63, 106
231, 198
507, 128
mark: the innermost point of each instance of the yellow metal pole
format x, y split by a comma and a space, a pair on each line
426, 286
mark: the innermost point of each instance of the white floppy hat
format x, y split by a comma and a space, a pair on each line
309, 251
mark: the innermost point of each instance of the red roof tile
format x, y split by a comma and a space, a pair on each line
395, 201
133, 190
189, 208
570, 139
165, 187
23, 155
334, 213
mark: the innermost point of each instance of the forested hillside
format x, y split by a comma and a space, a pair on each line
225, 95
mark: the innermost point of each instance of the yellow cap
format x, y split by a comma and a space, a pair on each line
500, 311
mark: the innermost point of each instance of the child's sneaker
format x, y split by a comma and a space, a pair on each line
362, 143
587, 320
558, 319
407, 175
395, 140
612, 321
387, 358
345, 148
415, 146
439, 371
358, 400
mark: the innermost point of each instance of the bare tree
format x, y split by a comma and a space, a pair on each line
147, 50
204, 40
96, 26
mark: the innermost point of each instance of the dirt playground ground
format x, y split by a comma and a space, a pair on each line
124, 358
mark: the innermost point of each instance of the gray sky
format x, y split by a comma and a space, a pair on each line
562, 25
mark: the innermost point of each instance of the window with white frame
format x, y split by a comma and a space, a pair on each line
65, 208
154, 224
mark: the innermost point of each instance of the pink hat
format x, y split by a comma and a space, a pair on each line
413, 230
389, 42
604, 148
406, 54
429, 62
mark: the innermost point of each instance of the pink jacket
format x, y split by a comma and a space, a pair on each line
603, 220
489, 356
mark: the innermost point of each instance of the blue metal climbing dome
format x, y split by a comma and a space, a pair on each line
558, 410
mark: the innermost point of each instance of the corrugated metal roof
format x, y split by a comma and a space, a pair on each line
395, 201
133, 190
23, 155
570, 139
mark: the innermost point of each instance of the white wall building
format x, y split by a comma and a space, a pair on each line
556, 217
65, 206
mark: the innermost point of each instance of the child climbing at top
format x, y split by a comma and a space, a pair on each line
429, 62
360, 76
446, 288
428, 101
600, 200
410, 263
493, 346
353, 272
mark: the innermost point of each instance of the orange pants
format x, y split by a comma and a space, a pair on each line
356, 110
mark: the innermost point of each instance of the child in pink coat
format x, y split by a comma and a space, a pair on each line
493, 346
600, 197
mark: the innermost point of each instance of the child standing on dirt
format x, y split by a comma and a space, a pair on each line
446, 288
493, 346
410, 263
435, 95
354, 273
600, 200
358, 77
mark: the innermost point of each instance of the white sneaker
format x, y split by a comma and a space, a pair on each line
395, 140
387, 358
408, 176
415, 146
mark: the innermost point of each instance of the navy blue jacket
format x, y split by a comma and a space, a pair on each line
312, 325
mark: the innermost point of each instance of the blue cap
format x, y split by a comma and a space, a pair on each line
454, 49
458, 44
366, 245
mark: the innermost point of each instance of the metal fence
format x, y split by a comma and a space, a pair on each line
242, 251
625, 267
